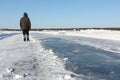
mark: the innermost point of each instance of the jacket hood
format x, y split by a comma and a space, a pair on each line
25, 14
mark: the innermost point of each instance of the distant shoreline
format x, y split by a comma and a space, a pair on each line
67, 29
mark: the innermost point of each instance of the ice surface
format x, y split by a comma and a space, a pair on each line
92, 58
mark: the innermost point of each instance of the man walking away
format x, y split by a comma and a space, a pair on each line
25, 26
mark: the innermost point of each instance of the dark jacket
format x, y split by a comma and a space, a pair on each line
25, 22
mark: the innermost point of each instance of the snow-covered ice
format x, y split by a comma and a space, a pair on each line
60, 55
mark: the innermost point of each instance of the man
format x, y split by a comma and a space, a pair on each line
25, 25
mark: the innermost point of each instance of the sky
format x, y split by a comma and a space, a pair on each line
61, 13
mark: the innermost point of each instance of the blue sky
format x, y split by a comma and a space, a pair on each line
61, 13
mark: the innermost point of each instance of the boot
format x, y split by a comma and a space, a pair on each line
28, 38
24, 39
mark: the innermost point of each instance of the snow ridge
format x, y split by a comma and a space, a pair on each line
51, 67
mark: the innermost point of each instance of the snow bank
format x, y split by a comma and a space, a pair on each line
101, 34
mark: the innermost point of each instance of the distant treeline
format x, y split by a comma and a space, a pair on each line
67, 29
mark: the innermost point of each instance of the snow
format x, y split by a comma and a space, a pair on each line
28, 60
67, 77
21, 60
101, 34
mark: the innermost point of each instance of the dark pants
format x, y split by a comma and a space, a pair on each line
25, 32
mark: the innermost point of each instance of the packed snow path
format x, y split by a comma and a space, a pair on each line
21, 60
17, 59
